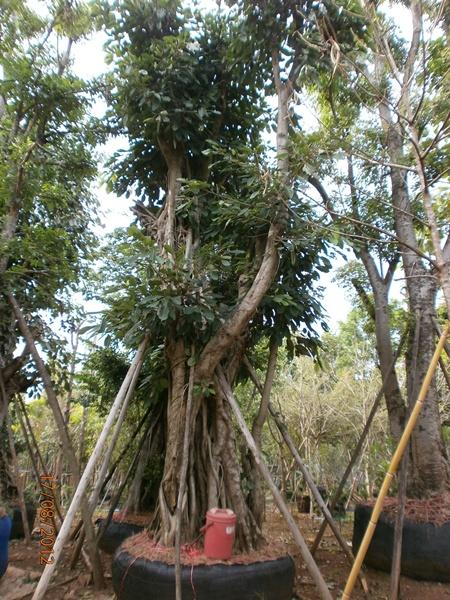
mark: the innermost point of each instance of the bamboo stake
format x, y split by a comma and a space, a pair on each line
116, 463
309, 480
309, 560
93, 499
360, 444
34, 464
315, 492
38, 452
84, 480
403, 476
115, 501
394, 465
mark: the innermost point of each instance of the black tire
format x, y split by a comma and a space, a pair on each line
115, 534
142, 579
425, 547
17, 531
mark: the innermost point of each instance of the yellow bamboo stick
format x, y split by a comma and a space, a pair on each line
395, 461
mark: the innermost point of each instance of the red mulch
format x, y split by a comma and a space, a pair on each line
435, 510
143, 519
142, 545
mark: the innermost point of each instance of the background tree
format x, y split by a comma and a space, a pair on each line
47, 166
374, 115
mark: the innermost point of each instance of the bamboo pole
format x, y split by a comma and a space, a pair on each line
359, 445
309, 480
403, 475
316, 494
21, 407
261, 465
80, 492
99, 581
394, 465
93, 499
34, 463
119, 459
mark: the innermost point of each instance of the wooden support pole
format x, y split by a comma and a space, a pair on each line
360, 444
126, 448
84, 481
34, 463
315, 492
313, 569
308, 479
398, 454
93, 499
119, 459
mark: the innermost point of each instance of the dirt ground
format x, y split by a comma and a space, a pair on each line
23, 572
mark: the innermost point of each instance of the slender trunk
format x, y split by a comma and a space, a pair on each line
429, 462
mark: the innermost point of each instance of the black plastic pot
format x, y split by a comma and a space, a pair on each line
425, 547
17, 524
115, 534
142, 579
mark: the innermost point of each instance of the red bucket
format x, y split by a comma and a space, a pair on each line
219, 532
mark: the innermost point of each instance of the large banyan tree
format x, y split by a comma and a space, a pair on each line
223, 256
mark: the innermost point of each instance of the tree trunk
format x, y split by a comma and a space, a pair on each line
429, 462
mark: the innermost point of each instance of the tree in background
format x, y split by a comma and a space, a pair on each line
385, 111
47, 166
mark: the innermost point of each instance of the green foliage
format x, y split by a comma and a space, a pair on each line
47, 162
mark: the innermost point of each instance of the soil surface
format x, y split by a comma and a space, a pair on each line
20, 579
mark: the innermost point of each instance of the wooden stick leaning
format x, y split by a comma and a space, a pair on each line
394, 465
309, 560
93, 499
309, 480
118, 460
45, 471
359, 445
84, 481
17, 480
403, 476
